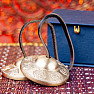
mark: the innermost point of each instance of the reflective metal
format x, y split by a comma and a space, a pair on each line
13, 71
45, 71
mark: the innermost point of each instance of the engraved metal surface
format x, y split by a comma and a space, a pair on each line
45, 71
13, 71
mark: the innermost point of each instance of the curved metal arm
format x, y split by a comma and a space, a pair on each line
66, 34
53, 35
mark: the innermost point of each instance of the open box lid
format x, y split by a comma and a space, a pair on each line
74, 17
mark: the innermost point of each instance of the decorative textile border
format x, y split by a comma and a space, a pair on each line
17, 44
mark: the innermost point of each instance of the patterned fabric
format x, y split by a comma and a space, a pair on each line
15, 13
81, 80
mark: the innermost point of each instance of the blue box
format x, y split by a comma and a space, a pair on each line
83, 42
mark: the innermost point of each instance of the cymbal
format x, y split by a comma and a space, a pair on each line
45, 71
12, 71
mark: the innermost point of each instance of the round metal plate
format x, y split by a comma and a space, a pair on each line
13, 71
45, 71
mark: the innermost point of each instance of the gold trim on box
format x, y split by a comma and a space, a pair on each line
17, 44
76, 30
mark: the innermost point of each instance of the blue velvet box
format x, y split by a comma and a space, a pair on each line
83, 42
